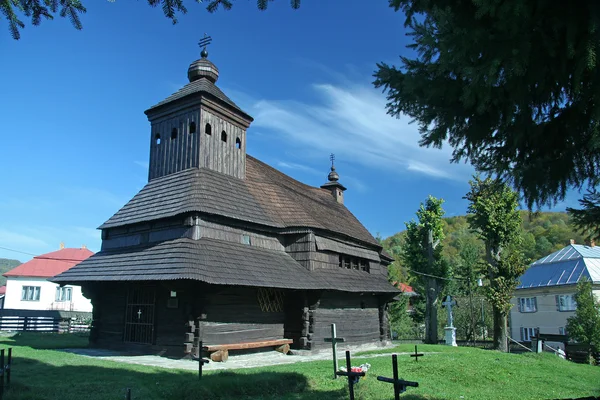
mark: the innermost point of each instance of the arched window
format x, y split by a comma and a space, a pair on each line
192, 127
157, 138
224, 136
208, 129
173, 133
238, 143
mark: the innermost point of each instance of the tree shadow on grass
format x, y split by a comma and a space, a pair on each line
61, 378
35, 380
46, 340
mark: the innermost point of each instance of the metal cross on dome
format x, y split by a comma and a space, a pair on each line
205, 41
332, 158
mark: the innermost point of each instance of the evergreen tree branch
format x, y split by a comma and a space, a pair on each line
587, 219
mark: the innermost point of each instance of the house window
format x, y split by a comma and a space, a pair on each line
270, 300
238, 143
246, 239
562, 330
356, 263
527, 304
208, 129
192, 128
224, 136
174, 134
566, 302
64, 293
528, 333
30, 293
157, 138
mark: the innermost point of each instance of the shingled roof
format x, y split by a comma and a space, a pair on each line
197, 87
266, 197
216, 262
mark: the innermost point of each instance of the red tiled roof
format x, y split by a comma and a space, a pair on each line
2, 290
51, 264
403, 287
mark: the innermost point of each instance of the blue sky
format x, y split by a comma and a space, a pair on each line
75, 141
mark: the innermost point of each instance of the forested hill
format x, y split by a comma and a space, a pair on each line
6, 265
544, 233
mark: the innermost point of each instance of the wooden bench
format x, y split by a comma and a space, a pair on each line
220, 352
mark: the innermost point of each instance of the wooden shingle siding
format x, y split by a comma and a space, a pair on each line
339, 247
301, 247
232, 234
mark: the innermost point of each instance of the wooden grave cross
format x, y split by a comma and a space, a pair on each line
334, 340
400, 385
417, 354
353, 377
201, 360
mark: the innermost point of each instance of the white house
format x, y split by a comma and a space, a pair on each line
28, 287
544, 298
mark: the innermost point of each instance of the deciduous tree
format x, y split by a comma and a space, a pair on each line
584, 327
422, 253
494, 215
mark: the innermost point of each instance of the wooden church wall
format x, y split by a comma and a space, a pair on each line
301, 247
234, 315
357, 319
108, 314
178, 148
219, 231
219, 155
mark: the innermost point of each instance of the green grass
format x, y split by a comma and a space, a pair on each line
444, 373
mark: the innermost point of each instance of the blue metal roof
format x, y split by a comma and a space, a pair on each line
564, 267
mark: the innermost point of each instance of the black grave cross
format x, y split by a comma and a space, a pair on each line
400, 385
201, 360
334, 340
353, 377
417, 354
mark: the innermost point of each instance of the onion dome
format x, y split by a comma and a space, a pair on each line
333, 176
203, 68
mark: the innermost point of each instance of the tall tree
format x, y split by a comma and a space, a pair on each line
422, 253
584, 326
494, 215
587, 219
47, 9
468, 268
513, 86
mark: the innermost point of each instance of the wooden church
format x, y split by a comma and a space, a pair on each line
219, 247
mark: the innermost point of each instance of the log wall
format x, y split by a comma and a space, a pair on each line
233, 315
357, 319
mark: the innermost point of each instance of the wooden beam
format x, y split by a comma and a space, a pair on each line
249, 345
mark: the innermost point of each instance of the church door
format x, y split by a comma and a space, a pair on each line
139, 317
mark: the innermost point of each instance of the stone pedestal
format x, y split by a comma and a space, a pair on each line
450, 336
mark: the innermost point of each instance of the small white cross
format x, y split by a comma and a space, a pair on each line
139, 313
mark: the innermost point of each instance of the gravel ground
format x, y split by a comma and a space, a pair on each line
234, 362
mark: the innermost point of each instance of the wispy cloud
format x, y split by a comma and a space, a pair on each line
18, 241
351, 120
143, 164
299, 167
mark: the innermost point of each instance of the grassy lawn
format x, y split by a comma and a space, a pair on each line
444, 373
